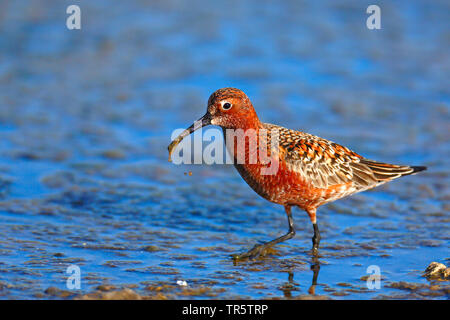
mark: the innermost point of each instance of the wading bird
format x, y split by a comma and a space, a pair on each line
311, 171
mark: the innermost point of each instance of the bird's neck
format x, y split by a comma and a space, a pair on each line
244, 144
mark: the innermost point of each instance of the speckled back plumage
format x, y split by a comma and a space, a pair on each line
314, 171
325, 163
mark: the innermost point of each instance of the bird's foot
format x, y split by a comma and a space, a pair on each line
257, 251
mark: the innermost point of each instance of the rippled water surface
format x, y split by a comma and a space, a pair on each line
86, 117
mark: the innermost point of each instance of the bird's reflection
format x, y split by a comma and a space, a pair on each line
289, 286
293, 286
315, 267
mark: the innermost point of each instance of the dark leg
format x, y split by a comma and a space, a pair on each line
316, 238
259, 249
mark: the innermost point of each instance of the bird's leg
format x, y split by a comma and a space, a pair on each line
259, 249
316, 237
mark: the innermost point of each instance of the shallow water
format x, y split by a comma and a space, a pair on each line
86, 117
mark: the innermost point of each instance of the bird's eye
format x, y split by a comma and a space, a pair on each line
226, 106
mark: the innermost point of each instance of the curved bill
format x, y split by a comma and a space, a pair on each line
200, 123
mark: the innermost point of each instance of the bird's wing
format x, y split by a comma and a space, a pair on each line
324, 163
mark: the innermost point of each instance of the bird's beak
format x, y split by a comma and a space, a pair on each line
200, 123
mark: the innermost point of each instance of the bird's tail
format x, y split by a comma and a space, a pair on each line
384, 172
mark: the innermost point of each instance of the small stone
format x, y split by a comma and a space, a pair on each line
437, 270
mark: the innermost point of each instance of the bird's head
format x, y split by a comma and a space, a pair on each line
228, 108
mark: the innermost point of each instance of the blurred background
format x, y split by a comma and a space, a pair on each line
86, 116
